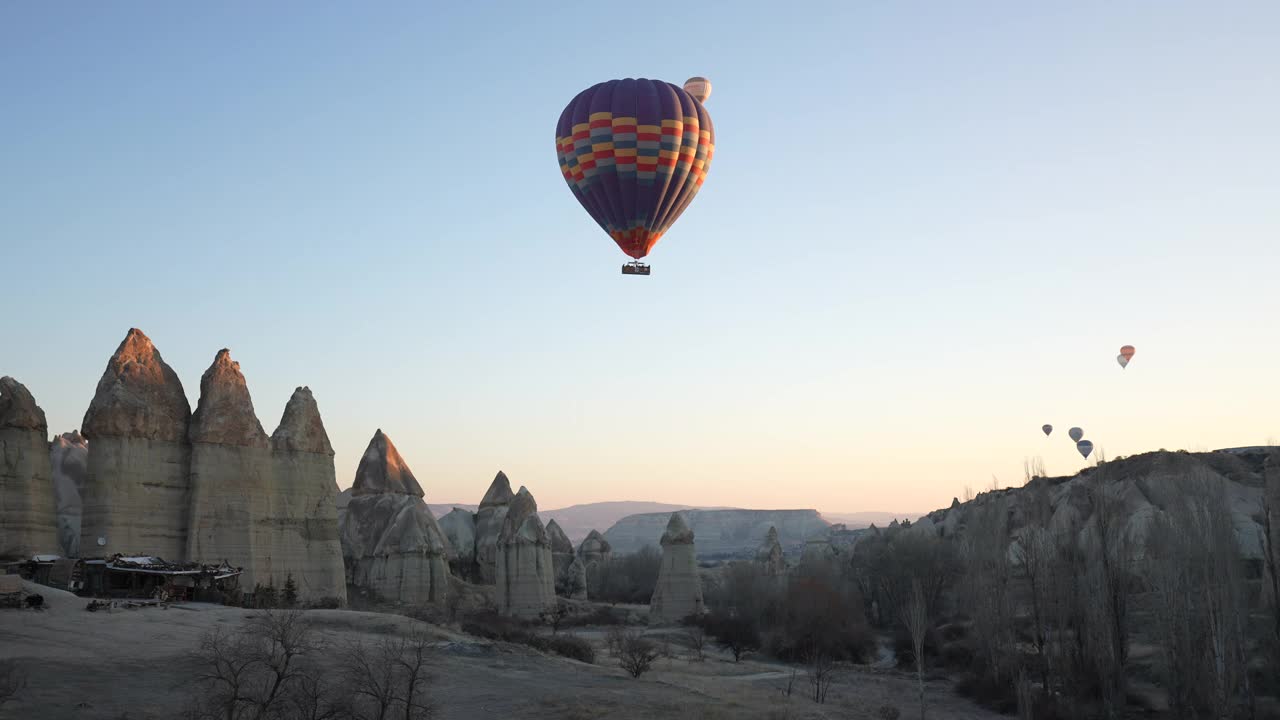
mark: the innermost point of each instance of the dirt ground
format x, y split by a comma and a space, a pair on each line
136, 665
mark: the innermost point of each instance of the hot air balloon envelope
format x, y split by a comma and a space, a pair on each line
1075, 434
698, 87
1085, 447
1047, 429
635, 153
1127, 352
1124, 361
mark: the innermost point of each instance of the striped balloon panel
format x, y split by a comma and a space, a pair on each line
634, 153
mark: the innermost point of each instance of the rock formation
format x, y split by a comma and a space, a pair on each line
562, 558
769, 557
595, 548
489, 521
391, 542
230, 476
819, 556
721, 533
302, 512
525, 569
69, 463
678, 593
459, 528
27, 518
136, 497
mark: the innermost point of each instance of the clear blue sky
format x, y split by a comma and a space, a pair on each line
927, 230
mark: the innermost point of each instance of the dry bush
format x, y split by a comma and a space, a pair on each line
696, 638
625, 578
389, 679
637, 653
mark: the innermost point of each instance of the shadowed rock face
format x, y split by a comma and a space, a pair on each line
138, 397
391, 542
489, 522
525, 567
562, 556
136, 492
27, 519
231, 476
459, 527
302, 513
382, 470
678, 593
69, 464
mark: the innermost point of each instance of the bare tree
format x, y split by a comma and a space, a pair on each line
1194, 571
822, 667
696, 637
637, 653
1108, 582
985, 588
915, 615
390, 679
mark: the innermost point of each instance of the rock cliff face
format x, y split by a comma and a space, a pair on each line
1139, 488
302, 514
231, 476
721, 533
27, 519
489, 521
459, 528
136, 491
562, 558
769, 557
69, 463
391, 542
678, 593
525, 568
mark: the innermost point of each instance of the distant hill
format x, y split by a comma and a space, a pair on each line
854, 520
578, 520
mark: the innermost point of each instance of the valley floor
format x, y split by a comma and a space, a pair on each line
137, 665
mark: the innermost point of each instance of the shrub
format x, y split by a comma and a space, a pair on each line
570, 646
888, 712
734, 633
289, 595
637, 653
600, 615
327, 602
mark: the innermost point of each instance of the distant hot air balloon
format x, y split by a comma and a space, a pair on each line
699, 87
1075, 434
635, 153
1085, 447
1126, 354
1047, 429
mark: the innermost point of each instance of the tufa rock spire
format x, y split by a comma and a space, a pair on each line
301, 429
225, 414
382, 470
18, 409
138, 396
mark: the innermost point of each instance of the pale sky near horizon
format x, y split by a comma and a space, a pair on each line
927, 230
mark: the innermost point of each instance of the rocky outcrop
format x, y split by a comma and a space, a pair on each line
27, 518
459, 528
678, 593
721, 533
392, 544
489, 522
595, 548
69, 464
769, 557
525, 569
136, 491
231, 476
302, 513
561, 558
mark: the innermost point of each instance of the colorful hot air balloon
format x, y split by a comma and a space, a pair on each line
1126, 354
1075, 434
1085, 447
699, 87
1047, 429
635, 153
